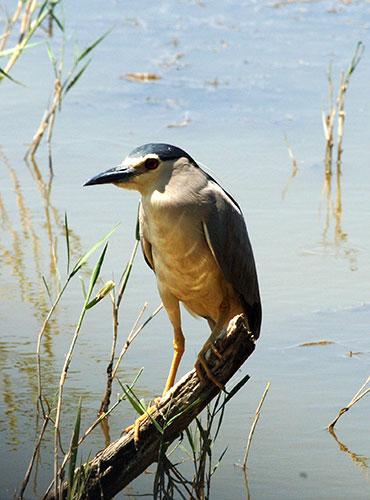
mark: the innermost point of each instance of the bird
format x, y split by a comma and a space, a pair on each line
194, 237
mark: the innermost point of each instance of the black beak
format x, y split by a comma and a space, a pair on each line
113, 175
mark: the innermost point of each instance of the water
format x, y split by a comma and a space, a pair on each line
241, 77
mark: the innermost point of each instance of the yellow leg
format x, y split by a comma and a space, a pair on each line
179, 348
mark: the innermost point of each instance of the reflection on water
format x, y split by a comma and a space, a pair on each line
25, 239
361, 461
333, 234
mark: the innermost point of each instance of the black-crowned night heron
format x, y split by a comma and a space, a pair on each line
194, 237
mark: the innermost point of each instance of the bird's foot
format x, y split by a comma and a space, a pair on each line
216, 351
202, 363
140, 420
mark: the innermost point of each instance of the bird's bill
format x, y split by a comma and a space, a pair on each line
114, 175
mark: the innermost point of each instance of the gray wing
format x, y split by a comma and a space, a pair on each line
228, 239
146, 246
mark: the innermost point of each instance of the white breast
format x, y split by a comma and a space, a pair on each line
183, 262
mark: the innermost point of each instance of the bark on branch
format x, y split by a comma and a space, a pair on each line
122, 461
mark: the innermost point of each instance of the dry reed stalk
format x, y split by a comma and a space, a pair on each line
47, 123
26, 19
33, 458
17, 12
341, 117
38, 348
343, 87
135, 330
10, 25
359, 395
61, 87
115, 312
254, 424
88, 303
132, 336
25, 34
336, 108
63, 378
328, 124
294, 170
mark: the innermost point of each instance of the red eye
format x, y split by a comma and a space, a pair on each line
151, 163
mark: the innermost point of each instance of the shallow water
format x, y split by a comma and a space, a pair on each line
239, 78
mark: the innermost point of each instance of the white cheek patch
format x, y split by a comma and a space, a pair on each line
137, 162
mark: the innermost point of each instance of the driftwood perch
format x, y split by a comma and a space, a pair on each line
122, 461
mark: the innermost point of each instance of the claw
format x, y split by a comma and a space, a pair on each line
216, 351
140, 420
201, 362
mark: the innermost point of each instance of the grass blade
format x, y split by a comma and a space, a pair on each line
95, 275
47, 288
67, 242
9, 52
140, 409
74, 450
135, 403
6, 75
205, 437
57, 20
92, 46
76, 78
235, 389
219, 461
82, 260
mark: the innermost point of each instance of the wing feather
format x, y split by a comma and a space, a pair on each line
146, 246
227, 237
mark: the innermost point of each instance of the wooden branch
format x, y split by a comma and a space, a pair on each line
123, 460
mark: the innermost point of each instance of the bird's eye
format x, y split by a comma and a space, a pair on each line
151, 163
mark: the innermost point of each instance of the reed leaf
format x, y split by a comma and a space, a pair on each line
82, 260
74, 450
95, 275
67, 242
9, 52
6, 75
76, 78
92, 46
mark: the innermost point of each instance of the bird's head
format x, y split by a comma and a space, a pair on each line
145, 167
